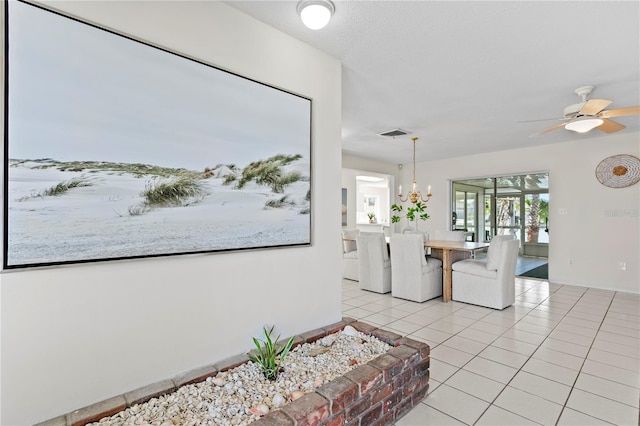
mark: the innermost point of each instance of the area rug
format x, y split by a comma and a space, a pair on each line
541, 272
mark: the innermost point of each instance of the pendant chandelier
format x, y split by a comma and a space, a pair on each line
414, 195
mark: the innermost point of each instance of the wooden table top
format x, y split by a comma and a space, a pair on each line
455, 245
449, 245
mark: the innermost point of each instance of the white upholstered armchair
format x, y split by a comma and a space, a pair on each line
489, 283
350, 254
413, 277
374, 265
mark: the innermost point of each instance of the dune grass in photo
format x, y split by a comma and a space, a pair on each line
284, 159
279, 202
138, 210
64, 186
142, 213
136, 169
269, 172
59, 188
165, 193
229, 179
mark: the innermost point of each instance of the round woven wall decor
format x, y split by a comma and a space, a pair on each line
619, 171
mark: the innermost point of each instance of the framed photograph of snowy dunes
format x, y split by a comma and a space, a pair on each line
117, 149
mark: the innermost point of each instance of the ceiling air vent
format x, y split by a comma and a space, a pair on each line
393, 133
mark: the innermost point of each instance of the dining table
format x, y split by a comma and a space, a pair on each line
450, 252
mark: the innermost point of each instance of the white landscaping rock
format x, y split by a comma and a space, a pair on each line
350, 331
242, 395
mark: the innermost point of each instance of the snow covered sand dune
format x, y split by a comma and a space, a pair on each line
94, 222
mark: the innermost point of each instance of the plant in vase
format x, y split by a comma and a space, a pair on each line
413, 213
372, 217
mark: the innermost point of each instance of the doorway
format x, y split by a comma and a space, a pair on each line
366, 200
464, 216
516, 205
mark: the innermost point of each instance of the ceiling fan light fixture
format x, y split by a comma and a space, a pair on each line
315, 14
583, 124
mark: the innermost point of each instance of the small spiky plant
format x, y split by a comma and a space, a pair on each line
270, 356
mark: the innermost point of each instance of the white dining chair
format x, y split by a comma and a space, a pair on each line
350, 254
374, 265
489, 282
413, 276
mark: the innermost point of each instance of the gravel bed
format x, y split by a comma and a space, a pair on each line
242, 395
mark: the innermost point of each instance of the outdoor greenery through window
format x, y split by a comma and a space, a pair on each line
536, 207
516, 205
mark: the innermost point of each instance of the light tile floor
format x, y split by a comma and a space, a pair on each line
561, 355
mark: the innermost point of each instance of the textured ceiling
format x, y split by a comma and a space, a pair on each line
461, 75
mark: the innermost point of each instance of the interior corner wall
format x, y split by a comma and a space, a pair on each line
602, 226
366, 164
76, 335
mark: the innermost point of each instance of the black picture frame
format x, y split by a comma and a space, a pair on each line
344, 206
117, 149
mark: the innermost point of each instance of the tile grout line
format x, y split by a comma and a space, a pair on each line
583, 360
564, 316
582, 366
520, 368
492, 403
476, 355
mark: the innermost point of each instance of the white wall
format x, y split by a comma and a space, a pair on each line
368, 165
75, 335
602, 227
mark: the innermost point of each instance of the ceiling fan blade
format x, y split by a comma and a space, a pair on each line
543, 119
620, 112
610, 126
594, 106
550, 129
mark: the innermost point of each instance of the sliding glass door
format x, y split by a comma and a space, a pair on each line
516, 205
536, 227
508, 220
465, 213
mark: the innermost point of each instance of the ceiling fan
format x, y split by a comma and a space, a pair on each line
590, 114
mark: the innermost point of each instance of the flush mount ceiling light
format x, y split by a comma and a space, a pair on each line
315, 14
583, 124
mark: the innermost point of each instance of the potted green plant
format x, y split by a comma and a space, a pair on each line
413, 213
372, 217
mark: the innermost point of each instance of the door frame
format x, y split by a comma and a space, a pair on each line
529, 249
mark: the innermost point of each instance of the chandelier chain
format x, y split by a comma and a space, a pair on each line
414, 195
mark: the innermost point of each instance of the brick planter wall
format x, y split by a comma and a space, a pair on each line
375, 394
